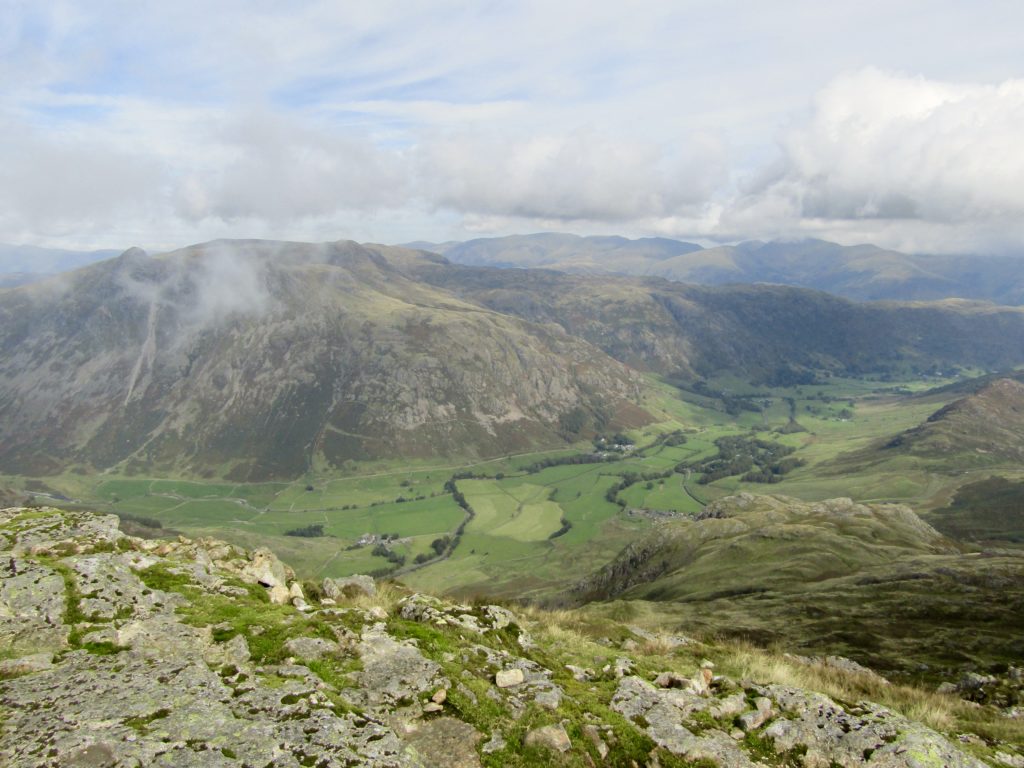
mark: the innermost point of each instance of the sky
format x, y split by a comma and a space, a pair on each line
166, 123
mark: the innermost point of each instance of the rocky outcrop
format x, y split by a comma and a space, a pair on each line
119, 651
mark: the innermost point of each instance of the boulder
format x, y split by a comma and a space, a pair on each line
26, 665
279, 594
265, 568
350, 587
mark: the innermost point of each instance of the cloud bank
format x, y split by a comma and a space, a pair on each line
434, 121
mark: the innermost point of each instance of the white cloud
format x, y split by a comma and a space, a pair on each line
578, 176
881, 152
124, 123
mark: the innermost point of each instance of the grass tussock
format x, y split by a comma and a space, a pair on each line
387, 597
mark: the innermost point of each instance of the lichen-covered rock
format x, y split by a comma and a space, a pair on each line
392, 671
831, 735
31, 607
480, 619
762, 712
311, 648
442, 741
663, 712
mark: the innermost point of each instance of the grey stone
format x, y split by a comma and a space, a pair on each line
551, 737
750, 721
549, 699
495, 744
392, 670
348, 588
442, 741
311, 648
671, 680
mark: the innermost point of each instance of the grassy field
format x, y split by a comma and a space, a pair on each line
535, 529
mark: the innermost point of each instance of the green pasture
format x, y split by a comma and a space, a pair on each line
508, 547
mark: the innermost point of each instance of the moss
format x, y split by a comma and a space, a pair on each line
141, 724
335, 671
161, 576
273, 681
102, 648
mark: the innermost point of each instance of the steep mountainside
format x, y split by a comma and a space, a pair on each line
987, 425
125, 652
860, 272
764, 332
873, 582
256, 359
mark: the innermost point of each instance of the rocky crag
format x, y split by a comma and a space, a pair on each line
117, 651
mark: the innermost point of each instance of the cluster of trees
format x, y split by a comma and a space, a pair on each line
566, 527
758, 461
579, 458
672, 439
383, 550
439, 545
312, 531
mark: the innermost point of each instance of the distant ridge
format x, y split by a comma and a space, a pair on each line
858, 272
569, 253
24, 261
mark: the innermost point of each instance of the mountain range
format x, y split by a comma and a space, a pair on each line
259, 359
859, 272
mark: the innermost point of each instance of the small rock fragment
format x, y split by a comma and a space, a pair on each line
551, 737
593, 734
507, 678
496, 743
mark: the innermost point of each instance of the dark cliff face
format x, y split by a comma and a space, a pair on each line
256, 359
